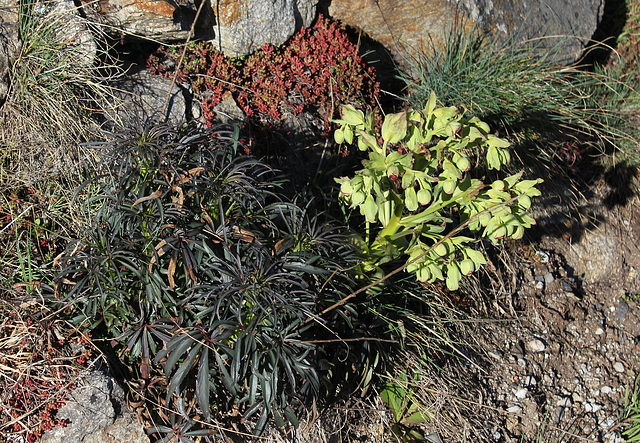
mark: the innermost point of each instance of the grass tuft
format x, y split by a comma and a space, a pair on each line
630, 415
525, 89
58, 79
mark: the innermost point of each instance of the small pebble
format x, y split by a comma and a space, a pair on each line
606, 390
497, 355
564, 402
522, 363
521, 393
539, 285
591, 407
623, 309
618, 367
547, 379
548, 278
557, 414
514, 409
543, 256
599, 331
530, 380
536, 345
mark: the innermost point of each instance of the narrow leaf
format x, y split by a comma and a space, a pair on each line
202, 383
171, 271
182, 371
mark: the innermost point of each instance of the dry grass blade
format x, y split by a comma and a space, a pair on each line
58, 79
37, 369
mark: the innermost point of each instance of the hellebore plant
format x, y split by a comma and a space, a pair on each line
417, 192
200, 271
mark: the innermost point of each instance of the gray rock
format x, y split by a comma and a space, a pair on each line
72, 30
145, 19
623, 309
548, 278
591, 406
542, 256
595, 256
433, 438
521, 393
143, 97
243, 26
536, 345
228, 111
405, 24
618, 367
574, 21
97, 413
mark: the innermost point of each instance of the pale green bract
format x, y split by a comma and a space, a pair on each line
419, 177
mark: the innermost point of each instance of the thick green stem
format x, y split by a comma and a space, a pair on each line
394, 222
382, 249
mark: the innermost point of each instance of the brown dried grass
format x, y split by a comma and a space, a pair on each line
40, 360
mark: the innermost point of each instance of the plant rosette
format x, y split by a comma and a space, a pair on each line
416, 191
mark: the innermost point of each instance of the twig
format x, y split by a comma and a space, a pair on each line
196, 420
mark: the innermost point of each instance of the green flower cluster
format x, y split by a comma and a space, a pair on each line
417, 181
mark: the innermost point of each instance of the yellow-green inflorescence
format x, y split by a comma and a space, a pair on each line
417, 180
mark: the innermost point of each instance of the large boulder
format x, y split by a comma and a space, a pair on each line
405, 24
571, 23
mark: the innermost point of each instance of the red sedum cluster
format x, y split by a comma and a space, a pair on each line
316, 71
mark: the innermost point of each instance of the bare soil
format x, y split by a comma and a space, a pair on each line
556, 363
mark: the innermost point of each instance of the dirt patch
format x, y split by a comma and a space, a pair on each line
558, 370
